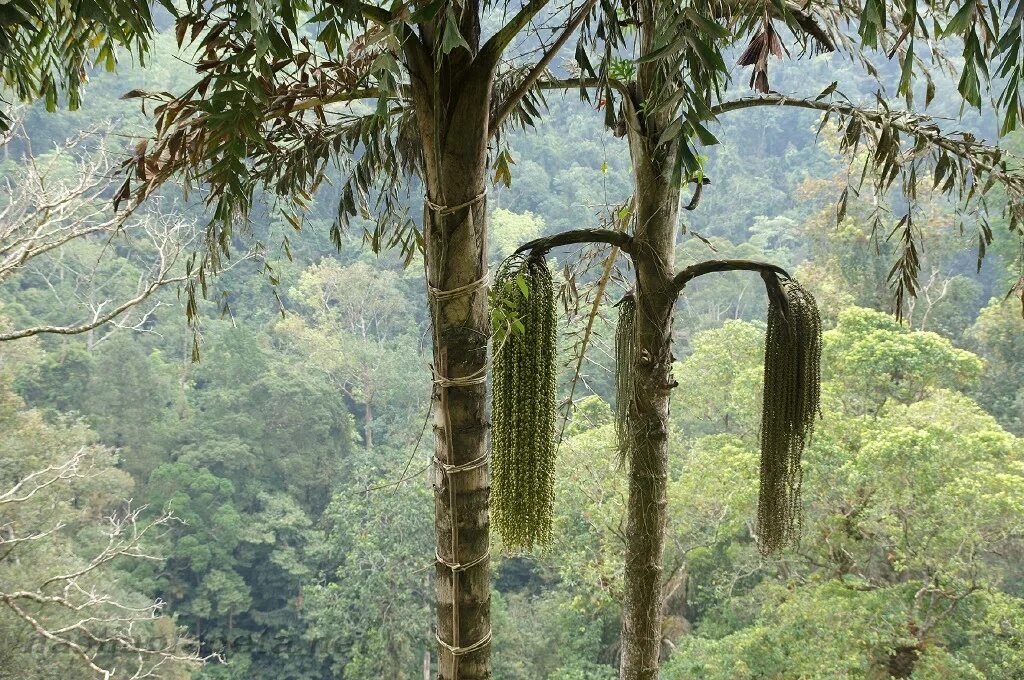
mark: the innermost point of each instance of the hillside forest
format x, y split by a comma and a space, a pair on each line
242, 479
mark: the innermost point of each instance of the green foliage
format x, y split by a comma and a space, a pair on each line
906, 520
510, 230
879, 360
258, 436
47, 47
546, 637
378, 332
523, 403
998, 336
369, 611
721, 357
909, 553
61, 498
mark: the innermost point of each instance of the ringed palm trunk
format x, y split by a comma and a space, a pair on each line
657, 201
452, 109
461, 332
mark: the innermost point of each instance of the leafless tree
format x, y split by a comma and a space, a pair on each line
63, 197
71, 606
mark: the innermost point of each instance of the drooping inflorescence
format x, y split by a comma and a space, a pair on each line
523, 402
792, 390
625, 343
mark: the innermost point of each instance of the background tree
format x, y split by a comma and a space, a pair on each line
62, 196
67, 532
379, 350
997, 335
881, 551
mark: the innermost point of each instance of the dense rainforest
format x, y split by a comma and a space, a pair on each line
262, 474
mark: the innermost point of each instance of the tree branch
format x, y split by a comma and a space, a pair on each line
350, 96
904, 121
572, 83
541, 246
540, 67
68, 469
74, 609
701, 268
495, 46
97, 320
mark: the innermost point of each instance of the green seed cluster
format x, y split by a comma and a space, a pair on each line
625, 344
523, 403
792, 391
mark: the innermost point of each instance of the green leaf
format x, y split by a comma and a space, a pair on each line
962, 20
907, 72
703, 134
523, 288
969, 86
452, 38
427, 12
827, 91
671, 131
502, 171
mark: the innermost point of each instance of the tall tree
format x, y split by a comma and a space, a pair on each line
663, 82
268, 113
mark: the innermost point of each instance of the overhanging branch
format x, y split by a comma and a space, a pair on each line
541, 246
573, 83
701, 268
350, 96
906, 122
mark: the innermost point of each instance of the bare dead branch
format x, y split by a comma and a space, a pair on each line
71, 609
62, 198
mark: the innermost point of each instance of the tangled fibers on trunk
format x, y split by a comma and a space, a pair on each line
625, 343
792, 390
523, 402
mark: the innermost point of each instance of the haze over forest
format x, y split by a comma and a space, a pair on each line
277, 450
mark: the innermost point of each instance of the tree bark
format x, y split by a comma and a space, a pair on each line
368, 424
368, 410
653, 248
452, 104
461, 332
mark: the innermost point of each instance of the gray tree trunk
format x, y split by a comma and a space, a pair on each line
452, 103
657, 206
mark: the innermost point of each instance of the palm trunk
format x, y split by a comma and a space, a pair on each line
461, 332
452, 104
657, 200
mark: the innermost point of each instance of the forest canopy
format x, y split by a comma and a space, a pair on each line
246, 416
